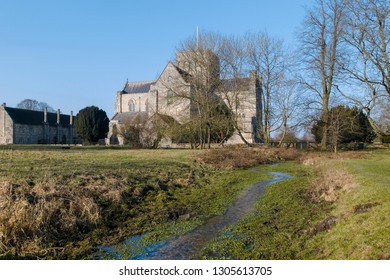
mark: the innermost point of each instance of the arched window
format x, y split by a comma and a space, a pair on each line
132, 106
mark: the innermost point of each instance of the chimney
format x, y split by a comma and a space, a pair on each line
45, 115
71, 118
58, 116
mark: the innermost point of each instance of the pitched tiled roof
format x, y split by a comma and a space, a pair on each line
138, 87
131, 117
186, 76
136, 118
30, 117
165, 118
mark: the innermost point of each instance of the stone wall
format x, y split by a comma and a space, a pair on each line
40, 134
162, 97
139, 100
15, 133
6, 127
27, 134
167, 95
246, 109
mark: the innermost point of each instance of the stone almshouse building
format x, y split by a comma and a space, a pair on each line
146, 99
20, 126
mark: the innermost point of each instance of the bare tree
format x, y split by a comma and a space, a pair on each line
368, 38
381, 115
201, 59
288, 107
320, 45
222, 98
32, 104
129, 132
339, 122
369, 35
267, 56
234, 88
144, 132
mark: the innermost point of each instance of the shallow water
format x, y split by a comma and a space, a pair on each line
188, 245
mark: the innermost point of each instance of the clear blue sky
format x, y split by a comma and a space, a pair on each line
77, 53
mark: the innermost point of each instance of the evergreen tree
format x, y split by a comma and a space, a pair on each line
345, 125
91, 124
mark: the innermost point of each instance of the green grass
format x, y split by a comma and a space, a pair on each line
363, 227
289, 224
279, 227
209, 200
152, 190
37, 163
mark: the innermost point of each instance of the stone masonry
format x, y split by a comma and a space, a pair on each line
19, 126
146, 98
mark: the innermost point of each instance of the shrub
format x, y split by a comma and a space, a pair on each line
386, 139
234, 158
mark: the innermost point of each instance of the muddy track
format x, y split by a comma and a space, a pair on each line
189, 245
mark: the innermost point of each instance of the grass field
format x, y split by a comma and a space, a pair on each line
21, 163
362, 230
280, 226
62, 203
335, 208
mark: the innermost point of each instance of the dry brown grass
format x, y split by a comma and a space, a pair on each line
331, 182
313, 158
233, 158
37, 217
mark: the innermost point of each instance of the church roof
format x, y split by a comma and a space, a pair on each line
185, 75
138, 87
30, 117
131, 117
136, 118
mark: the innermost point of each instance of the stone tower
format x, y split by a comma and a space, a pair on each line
202, 65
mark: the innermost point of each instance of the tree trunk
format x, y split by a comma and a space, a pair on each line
325, 120
284, 128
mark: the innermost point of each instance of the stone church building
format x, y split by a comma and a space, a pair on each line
170, 95
20, 126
